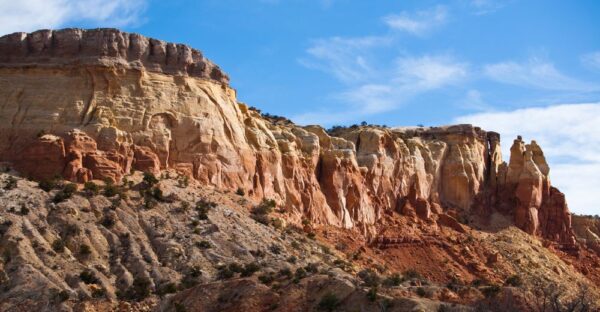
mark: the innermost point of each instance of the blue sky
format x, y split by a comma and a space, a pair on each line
527, 67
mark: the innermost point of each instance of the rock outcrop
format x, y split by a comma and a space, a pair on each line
95, 104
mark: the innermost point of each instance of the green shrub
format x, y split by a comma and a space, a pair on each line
88, 277
150, 179
225, 272
266, 278
167, 288
65, 193
250, 269
11, 183
372, 294
58, 245
312, 268
421, 292
240, 191
412, 274
369, 277
393, 280
235, 267
286, 272
329, 302
111, 190
85, 250
62, 296
203, 244
108, 221
140, 288
47, 185
91, 188
514, 281
491, 290
292, 259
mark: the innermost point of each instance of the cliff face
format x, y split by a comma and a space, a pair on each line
95, 104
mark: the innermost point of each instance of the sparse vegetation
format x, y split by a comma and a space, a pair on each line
88, 277
47, 185
249, 269
514, 281
240, 191
369, 277
150, 179
58, 245
329, 302
11, 183
66, 193
91, 188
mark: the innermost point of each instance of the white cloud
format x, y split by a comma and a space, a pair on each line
569, 134
592, 60
482, 7
536, 74
418, 23
29, 15
345, 58
473, 100
378, 90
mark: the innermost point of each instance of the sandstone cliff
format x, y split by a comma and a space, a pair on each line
96, 104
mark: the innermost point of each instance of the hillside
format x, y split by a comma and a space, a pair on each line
135, 180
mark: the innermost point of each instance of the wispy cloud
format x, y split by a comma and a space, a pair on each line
345, 58
473, 100
482, 7
28, 15
418, 23
591, 60
570, 137
536, 74
394, 85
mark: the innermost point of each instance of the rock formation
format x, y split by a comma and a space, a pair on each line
95, 104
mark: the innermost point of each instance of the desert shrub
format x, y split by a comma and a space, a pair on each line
111, 190
24, 210
329, 302
292, 259
514, 281
62, 296
225, 272
203, 244
250, 269
393, 280
11, 183
179, 307
372, 294
300, 273
85, 250
88, 277
47, 185
369, 277
235, 267
66, 193
491, 290
167, 288
265, 207
140, 288
286, 272
183, 181
240, 191
312, 268
421, 292
150, 179
412, 274
91, 188
58, 245
108, 221
311, 235
203, 206
455, 284
266, 278
276, 249
191, 278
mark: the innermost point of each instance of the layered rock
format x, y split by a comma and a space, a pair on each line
113, 102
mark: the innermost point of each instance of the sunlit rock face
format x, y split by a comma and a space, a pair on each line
96, 104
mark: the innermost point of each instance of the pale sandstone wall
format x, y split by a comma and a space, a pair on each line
130, 110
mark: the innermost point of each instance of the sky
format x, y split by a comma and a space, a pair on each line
518, 67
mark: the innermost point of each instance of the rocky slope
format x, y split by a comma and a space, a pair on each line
101, 105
